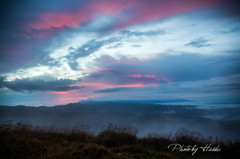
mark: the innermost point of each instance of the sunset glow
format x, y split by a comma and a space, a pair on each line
59, 52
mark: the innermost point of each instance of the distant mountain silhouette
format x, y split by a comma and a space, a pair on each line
178, 100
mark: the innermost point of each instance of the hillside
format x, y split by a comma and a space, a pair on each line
23, 141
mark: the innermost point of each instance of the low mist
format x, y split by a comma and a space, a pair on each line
147, 118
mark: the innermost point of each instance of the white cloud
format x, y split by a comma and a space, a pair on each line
180, 30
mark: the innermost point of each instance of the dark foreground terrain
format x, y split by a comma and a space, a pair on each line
25, 141
82, 130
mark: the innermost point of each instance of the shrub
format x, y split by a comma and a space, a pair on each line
114, 135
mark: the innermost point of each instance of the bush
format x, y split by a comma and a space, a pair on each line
114, 135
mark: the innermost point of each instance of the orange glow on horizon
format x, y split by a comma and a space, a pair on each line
104, 85
90, 87
62, 92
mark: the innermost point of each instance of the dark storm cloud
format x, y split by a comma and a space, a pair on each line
110, 90
27, 85
198, 43
145, 33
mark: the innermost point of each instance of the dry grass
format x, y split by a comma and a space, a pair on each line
25, 141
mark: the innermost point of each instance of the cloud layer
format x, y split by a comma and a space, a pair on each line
29, 85
137, 49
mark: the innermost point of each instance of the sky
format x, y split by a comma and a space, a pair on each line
66, 51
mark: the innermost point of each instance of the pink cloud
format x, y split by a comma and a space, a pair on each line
137, 85
140, 11
75, 96
98, 85
58, 20
150, 76
135, 76
86, 13
111, 7
62, 93
91, 86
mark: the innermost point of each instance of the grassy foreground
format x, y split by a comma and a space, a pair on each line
25, 141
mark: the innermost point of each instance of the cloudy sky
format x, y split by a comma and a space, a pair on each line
65, 51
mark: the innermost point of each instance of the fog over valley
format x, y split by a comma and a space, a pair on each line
147, 118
